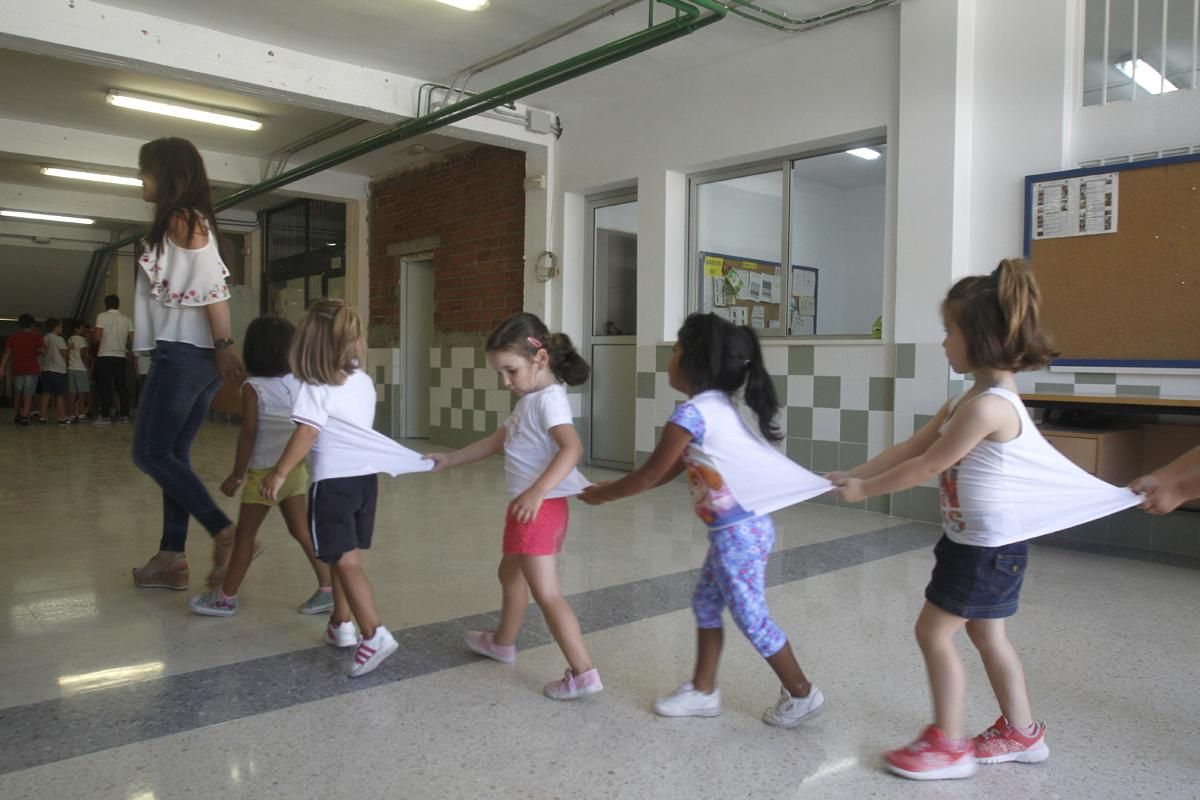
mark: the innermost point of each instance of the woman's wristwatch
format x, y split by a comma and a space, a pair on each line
221, 344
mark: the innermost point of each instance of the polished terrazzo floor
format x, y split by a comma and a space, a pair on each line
111, 692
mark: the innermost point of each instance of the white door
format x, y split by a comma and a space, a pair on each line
612, 244
416, 337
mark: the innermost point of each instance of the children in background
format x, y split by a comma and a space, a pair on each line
1001, 484
736, 479
24, 349
54, 372
334, 412
78, 379
1167, 488
541, 449
267, 399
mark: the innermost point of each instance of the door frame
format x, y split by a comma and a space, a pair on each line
402, 366
614, 197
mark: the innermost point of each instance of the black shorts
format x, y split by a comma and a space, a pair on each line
977, 582
341, 515
54, 383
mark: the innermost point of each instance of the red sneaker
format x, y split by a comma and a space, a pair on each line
1002, 742
933, 757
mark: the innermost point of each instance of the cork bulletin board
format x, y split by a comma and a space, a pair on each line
1116, 254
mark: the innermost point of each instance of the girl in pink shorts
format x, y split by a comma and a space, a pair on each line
541, 449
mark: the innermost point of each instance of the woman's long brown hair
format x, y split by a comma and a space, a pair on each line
181, 186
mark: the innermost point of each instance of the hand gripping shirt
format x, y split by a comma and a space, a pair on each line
733, 474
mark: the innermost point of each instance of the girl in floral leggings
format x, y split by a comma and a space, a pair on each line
736, 479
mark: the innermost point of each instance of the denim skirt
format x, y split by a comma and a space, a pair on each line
977, 582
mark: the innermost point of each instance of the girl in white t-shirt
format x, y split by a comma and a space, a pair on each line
334, 411
541, 449
736, 479
267, 399
1001, 484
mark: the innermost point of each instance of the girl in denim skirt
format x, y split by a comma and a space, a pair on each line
1001, 484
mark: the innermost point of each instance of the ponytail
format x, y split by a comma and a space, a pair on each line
759, 391
565, 362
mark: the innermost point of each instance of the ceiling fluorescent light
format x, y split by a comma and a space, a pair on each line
466, 5
175, 108
46, 217
869, 153
80, 175
1146, 77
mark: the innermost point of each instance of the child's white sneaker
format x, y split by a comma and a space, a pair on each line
789, 711
341, 634
687, 702
371, 652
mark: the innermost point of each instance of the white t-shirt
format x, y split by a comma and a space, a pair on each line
53, 360
346, 444
173, 287
1005, 492
78, 346
276, 396
528, 446
733, 473
115, 328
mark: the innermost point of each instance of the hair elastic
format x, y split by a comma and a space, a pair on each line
535, 342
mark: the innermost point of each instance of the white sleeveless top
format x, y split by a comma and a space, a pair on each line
1005, 492
275, 399
733, 473
173, 286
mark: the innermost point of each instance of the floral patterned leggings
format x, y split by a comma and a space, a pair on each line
733, 575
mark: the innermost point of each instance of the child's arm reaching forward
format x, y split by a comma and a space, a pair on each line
663, 465
973, 422
476, 451
918, 443
297, 448
524, 506
245, 443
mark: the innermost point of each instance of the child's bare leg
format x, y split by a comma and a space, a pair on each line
341, 605
514, 600
788, 670
250, 517
60, 406
708, 655
542, 577
295, 516
935, 631
1004, 669
358, 592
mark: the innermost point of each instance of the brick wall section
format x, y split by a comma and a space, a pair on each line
475, 203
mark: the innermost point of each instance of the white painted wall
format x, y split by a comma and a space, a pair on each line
761, 104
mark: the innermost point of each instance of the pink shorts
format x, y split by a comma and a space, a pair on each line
541, 537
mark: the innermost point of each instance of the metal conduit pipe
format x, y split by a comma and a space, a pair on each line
689, 18
782, 22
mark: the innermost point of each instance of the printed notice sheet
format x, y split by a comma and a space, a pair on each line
1075, 206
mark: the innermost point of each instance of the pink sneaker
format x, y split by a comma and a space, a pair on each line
933, 757
483, 642
1002, 742
574, 686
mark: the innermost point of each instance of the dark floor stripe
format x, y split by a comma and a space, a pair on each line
53, 730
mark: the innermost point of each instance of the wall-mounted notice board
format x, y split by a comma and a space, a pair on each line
751, 292
1116, 254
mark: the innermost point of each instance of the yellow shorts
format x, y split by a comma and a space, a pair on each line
294, 485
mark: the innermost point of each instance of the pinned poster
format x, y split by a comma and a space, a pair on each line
757, 318
718, 291
736, 282
756, 287
714, 267
738, 315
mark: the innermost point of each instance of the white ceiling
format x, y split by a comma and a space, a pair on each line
418, 38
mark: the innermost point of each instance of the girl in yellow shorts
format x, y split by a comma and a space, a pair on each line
267, 397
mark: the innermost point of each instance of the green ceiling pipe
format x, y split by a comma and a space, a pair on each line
689, 17
782, 22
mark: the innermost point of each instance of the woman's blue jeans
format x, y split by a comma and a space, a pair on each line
181, 384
